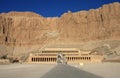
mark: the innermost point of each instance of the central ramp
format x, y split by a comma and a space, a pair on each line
67, 71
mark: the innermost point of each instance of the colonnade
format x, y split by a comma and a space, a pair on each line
54, 59
78, 58
43, 59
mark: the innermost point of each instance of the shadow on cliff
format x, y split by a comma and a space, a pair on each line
66, 71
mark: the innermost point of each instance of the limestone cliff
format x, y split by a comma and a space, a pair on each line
24, 28
102, 23
28, 28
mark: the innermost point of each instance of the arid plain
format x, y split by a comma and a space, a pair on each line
101, 70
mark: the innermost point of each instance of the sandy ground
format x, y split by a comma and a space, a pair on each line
24, 70
67, 71
101, 70
104, 70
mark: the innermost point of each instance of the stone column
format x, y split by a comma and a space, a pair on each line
39, 59
36, 59
49, 59
45, 59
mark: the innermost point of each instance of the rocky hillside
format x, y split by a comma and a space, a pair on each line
28, 28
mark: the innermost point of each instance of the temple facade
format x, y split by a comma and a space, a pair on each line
72, 55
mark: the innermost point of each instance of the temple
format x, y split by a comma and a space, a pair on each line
72, 55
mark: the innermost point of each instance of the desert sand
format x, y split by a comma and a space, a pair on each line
99, 70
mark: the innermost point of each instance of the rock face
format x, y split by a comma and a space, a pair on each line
27, 28
102, 23
24, 28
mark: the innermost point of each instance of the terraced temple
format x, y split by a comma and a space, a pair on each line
73, 55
